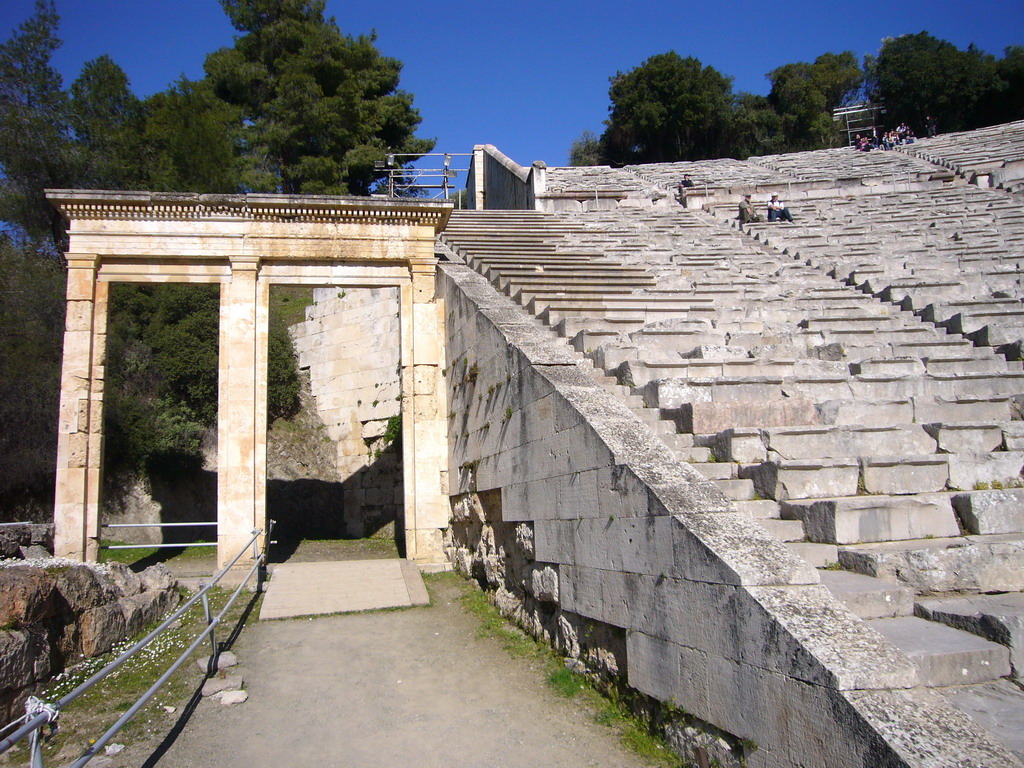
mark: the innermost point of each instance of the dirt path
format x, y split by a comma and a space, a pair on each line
411, 687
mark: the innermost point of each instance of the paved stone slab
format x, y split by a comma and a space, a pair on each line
999, 618
945, 656
311, 589
868, 597
998, 706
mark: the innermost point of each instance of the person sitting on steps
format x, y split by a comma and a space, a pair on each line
747, 211
777, 210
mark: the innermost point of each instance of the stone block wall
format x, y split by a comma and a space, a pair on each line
350, 344
52, 616
595, 539
498, 182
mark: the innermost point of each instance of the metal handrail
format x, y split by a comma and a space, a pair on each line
40, 714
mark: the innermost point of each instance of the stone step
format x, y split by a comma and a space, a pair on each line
782, 480
718, 470
892, 475
759, 509
945, 656
998, 707
993, 563
784, 530
816, 555
857, 519
736, 489
868, 597
847, 441
999, 618
991, 511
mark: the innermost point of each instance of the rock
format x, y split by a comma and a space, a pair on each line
26, 657
33, 552
524, 539
139, 610
224, 660
84, 588
158, 577
217, 685
124, 579
100, 628
229, 698
26, 596
545, 583
12, 538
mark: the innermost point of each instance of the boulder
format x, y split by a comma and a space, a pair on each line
158, 577
26, 596
12, 538
124, 579
83, 588
26, 660
100, 628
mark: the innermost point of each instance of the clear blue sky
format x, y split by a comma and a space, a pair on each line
529, 76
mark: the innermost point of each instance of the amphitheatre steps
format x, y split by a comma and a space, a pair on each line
840, 419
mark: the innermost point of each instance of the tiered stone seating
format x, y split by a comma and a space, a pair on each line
861, 432
951, 255
843, 164
996, 152
724, 173
591, 178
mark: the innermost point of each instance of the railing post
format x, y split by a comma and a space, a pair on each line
211, 668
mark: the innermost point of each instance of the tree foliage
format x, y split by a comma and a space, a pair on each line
668, 108
319, 106
36, 148
671, 108
919, 75
804, 95
586, 150
31, 323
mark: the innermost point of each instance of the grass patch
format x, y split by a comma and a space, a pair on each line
89, 716
132, 556
288, 303
605, 707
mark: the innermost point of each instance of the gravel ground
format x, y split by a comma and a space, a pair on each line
410, 687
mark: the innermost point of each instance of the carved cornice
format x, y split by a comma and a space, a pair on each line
77, 204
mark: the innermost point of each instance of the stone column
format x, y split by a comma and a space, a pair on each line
242, 412
424, 436
80, 426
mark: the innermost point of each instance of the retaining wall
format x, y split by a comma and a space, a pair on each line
496, 181
350, 344
596, 539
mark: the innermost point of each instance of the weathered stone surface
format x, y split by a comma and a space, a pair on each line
984, 512
124, 579
219, 684
84, 588
157, 576
998, 707
945, 656
854, 519
100, 628
999, 618
27, 595
544, 583
974, 564
926, 731
230, 698
225, 660
868, 597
